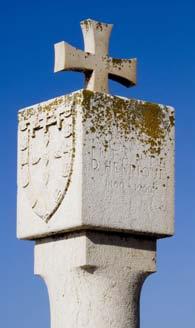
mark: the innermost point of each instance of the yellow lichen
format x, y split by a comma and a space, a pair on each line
149, 123
147, 120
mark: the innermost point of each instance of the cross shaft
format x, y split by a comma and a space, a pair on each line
94, 61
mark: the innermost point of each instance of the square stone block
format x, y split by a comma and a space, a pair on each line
90, 160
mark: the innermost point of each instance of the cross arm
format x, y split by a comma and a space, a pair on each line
123, 71
71, 58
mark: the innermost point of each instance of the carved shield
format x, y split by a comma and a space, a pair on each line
46, 157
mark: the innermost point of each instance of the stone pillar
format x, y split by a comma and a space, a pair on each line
94, 278
95, 191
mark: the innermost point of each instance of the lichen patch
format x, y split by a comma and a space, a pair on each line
149, 122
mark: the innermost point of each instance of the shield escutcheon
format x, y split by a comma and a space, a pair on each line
46, 159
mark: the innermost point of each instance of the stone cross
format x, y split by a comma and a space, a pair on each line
94, 62
95, 191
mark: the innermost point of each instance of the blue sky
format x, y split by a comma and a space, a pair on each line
161, 35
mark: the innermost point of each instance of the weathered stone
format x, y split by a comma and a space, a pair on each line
94, 279
93, 161
94, 62
93, 172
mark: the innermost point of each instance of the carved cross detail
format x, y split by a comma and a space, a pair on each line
94, 62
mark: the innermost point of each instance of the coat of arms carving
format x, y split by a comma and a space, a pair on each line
46, 148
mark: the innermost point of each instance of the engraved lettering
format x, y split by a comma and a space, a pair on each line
94, 164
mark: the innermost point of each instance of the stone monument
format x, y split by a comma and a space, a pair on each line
95, 188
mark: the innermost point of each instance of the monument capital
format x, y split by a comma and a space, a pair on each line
89, 160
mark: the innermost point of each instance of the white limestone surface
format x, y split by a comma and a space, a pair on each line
94, 61
94, 279
91, 160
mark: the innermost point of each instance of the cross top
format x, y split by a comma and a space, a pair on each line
94, 61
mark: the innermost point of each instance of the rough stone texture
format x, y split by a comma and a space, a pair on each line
94, 279
94, 62
92, 161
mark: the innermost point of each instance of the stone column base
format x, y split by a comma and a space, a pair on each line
94, 279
